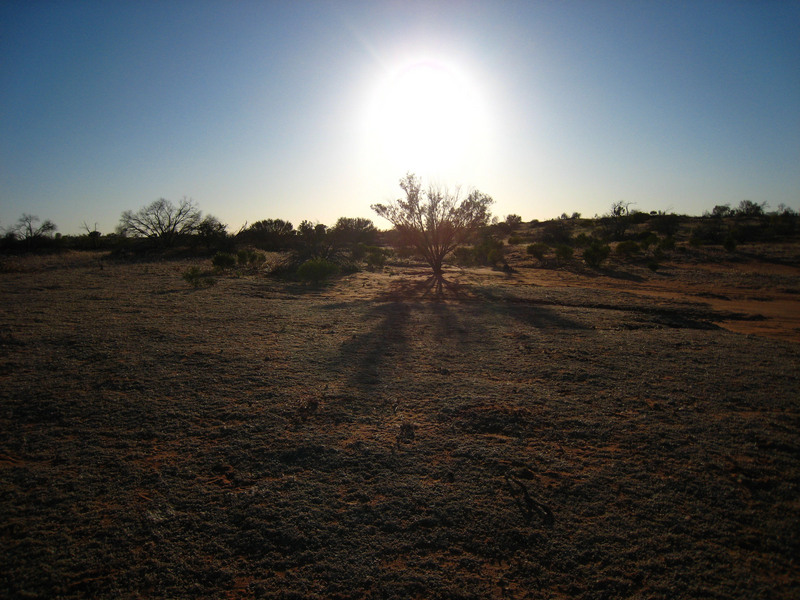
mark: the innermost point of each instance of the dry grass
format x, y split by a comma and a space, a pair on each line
544, 434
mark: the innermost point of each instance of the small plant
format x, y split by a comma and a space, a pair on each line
596, 253
197, 279
514, 240
653, 265
223, 260
729, 244
538, 250
317, 270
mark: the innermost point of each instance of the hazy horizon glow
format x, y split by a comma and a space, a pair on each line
314, 110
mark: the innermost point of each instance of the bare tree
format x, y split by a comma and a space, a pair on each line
28, 229
436, 221
162, 220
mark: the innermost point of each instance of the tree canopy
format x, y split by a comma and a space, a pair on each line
161, 219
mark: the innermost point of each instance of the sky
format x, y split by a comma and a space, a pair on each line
314, 110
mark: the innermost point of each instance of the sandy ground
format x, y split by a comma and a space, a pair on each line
543, 434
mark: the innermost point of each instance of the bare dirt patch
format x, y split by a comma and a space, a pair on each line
540, 434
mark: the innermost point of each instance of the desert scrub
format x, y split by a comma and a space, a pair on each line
197, 278
627, 248
316, 270
223, 260
564, 252
596, 253
538, 250
376, 257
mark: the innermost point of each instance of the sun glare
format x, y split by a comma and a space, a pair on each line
427, 117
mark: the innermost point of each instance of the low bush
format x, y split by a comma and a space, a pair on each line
250, 258
376, 257
538, 250
316, 270
197, 278
223, 260
596, 253
564, 252
627, 248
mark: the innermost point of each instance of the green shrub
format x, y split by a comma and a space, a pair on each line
223, 260
197, 279
317, 270
538, 250
729, 244
596, 253
514, 240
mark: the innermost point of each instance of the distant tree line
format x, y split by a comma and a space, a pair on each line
434, 224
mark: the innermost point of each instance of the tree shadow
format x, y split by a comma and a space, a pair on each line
458, 316
366, 357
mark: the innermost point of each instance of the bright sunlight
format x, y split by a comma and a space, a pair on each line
427, 117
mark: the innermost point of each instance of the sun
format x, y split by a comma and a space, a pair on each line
426, 116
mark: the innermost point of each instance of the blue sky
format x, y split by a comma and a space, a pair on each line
315, 110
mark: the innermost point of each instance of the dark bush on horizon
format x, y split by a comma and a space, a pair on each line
273, 235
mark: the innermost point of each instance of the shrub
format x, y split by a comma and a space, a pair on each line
514, 240
564, 252
556, 232
197, 279
596, 253
648, 238
666, 224
729, 244
667, 244
653, 265
489, 251
316, 270
223, 260
376, 257
627, 248
538, 250
250, 258
463, 256
582, 240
